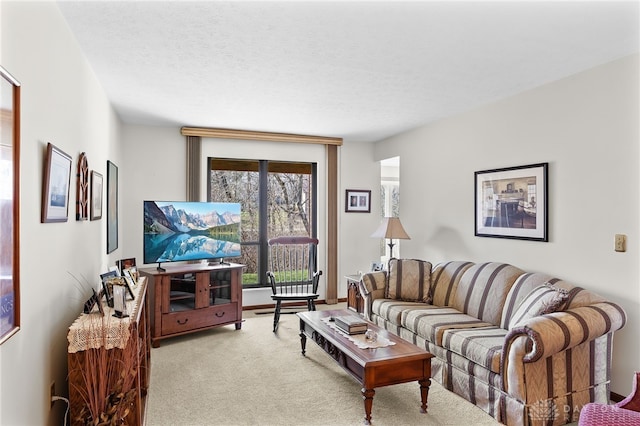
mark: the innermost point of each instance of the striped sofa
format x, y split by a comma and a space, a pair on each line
527, 348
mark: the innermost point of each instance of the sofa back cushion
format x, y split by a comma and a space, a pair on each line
542, 300
576, 296
409, 280
444, 281
483, 289
519, 290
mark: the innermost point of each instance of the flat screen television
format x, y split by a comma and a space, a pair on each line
177, 231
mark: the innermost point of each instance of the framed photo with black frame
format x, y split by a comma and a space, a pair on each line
357, 201
112, 207
512, 202
106, 288
126, 263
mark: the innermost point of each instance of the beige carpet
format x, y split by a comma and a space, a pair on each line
257, 377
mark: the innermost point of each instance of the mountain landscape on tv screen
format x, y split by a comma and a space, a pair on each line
189, 232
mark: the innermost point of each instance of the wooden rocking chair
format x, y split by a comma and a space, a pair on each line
293, 273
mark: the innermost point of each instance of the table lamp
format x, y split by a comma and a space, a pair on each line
391, 228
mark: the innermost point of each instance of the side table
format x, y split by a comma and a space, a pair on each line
354, 299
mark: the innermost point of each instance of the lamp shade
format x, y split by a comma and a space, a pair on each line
390, 227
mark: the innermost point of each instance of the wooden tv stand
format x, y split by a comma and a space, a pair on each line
186, 298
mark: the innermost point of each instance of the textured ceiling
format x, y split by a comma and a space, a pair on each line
358, 70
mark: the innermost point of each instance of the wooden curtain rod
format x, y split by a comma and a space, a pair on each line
258, 136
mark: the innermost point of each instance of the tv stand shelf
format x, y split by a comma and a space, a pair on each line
187, 298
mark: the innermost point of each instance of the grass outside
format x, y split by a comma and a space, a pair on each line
249, 278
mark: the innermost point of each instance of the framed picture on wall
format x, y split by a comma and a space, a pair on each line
96, 195
512, 202
112, 207
9, 206
357, 201
55, 187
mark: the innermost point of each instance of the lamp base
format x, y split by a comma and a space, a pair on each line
391, 244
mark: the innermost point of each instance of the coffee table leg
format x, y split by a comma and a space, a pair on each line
303, 338
367, 395
424, 393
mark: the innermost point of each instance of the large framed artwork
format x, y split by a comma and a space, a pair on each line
9, 205
512, 202
112, 207
55, 187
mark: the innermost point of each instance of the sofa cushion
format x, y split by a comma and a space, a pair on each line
483, 289
482, 346
374, 281
409, 280
444, 281
431, 323
544, 299
521, 289
393, 310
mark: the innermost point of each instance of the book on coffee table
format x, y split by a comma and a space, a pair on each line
350, 324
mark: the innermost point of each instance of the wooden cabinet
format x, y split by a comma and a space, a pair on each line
354, 299
109, 362
191, 297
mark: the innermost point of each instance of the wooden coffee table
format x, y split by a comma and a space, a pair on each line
372, 368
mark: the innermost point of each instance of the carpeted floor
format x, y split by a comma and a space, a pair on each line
256, 377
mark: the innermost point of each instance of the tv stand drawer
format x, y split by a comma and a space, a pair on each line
180, 322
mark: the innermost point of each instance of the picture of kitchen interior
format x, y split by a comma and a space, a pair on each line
510, 203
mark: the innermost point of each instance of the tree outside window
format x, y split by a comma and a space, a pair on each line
276, 198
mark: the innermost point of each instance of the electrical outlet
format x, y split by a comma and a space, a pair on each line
621, 242
52, 392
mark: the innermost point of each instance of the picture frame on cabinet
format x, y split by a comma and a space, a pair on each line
119, 301
377, 266
55, 187
9, 206
93, 300
512, 202
107, 291
123, 264
130, 282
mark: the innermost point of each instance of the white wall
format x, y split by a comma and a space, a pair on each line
162, 175
64, 104
356, 248
154, 168
586, 128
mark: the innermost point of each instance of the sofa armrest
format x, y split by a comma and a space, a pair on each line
528, 348
373, 285
559, 331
